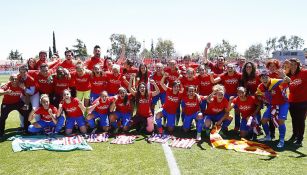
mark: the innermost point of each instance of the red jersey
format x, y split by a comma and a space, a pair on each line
297, 87
215, 107
157, 79
39, 63
13, 97
246, 108
173, 76
252, 84
98, 84
28, 82
45, 114
231, 83
114, 83
275, 94
69, 65
44, 86
144, 104
186, 83
72, 109
90, 63
190, 106
123, 108
172, 101
103, 107
82, 82
60, 84
205, 85
215, 69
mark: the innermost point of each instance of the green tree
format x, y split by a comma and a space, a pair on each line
271, 45
50, 52
296, 42
80, 50
146, 53
131, 46
164, 48
225, 49
152, 50
54, 45
15, 55
254, 51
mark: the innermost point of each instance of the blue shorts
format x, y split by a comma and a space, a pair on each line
93, 97
283, 111
188, 120
124, 117
103, 118
170, 118
70, 122
45, 124
161, 96
203, 105
227, 96
243, 125
111, 95
215, 118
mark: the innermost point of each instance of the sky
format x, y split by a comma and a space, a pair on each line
28, 25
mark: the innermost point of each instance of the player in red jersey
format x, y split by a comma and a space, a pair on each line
48, 118
157, 76
98, 82
108, 64
273, 93
298, 100
82, 78
142, 75
172, 102
123, 110
191, 108
12, 101
217, 68
100, 109
73, 109
205, 82
231, 81
173, 72
143, 99
61, 81
91, 62
127, 70
217, 109
115, 80
249, 108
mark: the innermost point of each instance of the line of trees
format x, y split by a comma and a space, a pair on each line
165, 48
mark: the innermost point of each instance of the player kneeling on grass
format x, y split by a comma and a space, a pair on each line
73, 109
123, 110
249, 107
48, 119
169, 109
191, 107
143, 99
217, 109
100, 110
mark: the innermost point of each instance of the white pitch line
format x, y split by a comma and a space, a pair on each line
174, 170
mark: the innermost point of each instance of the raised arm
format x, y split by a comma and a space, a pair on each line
157, 90
131, 90
164, 87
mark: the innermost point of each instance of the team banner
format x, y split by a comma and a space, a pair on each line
124, 139
52, 144
239, 145
157, 138
97, 138
182, 143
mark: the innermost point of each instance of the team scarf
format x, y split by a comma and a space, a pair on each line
157, 138
124, 139
182, 143
243, 145
49, 143
97, 138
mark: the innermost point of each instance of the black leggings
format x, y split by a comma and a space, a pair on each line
5, 111
298, 113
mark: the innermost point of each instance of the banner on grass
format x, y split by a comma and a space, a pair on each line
239, 145
51, 144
